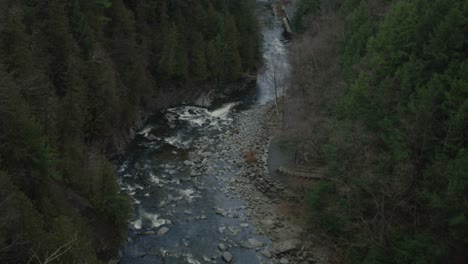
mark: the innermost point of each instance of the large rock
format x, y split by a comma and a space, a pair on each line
254, 242
285, 246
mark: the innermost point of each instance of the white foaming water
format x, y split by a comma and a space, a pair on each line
153, 219
123, 167
145, 131
191, 260
149, 220
202, 117
177, 141
188, 194
156, 180
131, 189
277, 47
137, 224
223, 111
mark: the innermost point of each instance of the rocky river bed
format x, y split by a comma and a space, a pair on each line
200, 183
198, 200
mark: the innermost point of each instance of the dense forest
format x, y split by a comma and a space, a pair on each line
74, 77
379, 98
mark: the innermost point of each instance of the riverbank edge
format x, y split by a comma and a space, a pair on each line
270, 198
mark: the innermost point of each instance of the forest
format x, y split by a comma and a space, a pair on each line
379, 99
75, 75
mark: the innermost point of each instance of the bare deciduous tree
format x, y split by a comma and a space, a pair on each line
56, 254
276, 77
315, 83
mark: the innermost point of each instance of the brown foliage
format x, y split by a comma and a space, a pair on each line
294, 211
250, 156
300, 185
316, 81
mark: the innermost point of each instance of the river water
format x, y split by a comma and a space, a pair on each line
176, 171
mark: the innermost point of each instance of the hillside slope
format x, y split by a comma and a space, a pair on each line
379, 98
75, 76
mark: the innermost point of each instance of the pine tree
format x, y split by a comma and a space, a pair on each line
199, 63
232, 59
81, 30
60, 44
167, 67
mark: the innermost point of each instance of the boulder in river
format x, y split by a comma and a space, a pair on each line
163, 231
222, 246
227, 257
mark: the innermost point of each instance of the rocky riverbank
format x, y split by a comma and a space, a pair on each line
249, 135
202, 193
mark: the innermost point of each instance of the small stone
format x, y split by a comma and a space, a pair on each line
170, 198
284, 261
244, 225
266, 253
227, 257
233, 230
267, 223
222, 247
163, 231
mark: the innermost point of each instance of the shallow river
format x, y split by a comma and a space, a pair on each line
176, 172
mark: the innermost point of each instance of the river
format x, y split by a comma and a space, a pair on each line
177, 172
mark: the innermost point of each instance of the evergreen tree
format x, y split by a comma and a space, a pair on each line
74, 76
199, 59
232, 59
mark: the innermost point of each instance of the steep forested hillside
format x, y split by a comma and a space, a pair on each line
380, 99
74, 77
